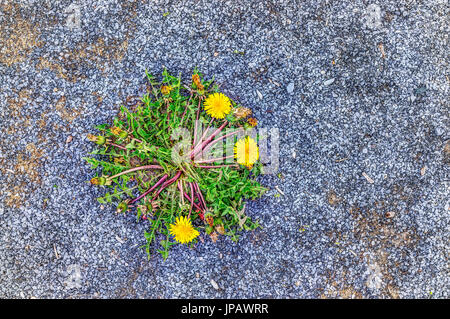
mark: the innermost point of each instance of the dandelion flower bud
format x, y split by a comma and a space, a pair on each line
209, 219
209, 229
119, 132
98, 181
92, 138
100, 140
252, 121
122, 207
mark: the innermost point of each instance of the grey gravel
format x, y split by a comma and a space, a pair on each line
260, 96
328, 82
66, 67
290, 88
214, 284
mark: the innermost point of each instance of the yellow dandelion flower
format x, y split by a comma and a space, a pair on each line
166, 89
246, 151
217, 105
182, 230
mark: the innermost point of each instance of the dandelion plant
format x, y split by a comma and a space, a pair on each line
184, 159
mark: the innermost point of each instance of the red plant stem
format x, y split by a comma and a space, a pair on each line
219, 139
216, 166
200, 196
215, 159
170, 181
149, 190
195, 205
180, 188
209, 139
167, 118
118, 146
204, 133
192, 199
136, 169
185, 110
168, 113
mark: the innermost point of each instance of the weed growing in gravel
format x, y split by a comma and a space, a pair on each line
181, 187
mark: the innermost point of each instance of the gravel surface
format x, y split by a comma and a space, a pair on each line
359, 92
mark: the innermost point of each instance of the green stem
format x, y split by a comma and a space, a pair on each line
216, 166
185, 110
196, 121
215, 159
136, 169
192, 199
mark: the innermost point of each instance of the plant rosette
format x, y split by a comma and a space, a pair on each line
184, 158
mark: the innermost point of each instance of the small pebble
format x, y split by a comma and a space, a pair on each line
290, 87
259, 94
214, 284
328, 82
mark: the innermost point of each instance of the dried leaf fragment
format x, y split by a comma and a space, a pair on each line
214, 236
389, 214
423, 170
120, 240
333, 198
381, 47
241, 216
214, 284
220, 229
